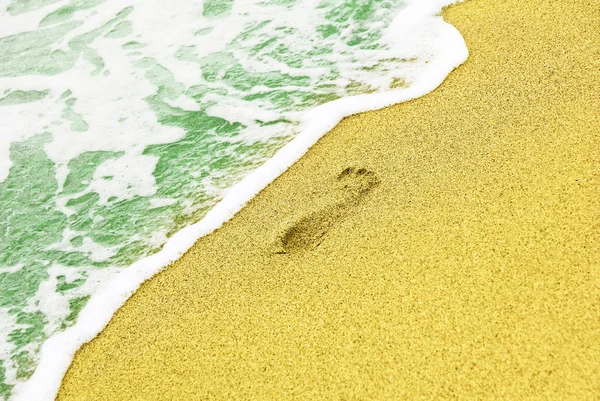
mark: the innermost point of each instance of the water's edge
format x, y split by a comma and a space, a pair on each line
58, 351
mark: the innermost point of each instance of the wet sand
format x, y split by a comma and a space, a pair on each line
445, 248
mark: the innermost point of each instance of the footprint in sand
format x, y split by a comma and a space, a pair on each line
346, 191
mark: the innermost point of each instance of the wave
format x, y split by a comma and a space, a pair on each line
154, 124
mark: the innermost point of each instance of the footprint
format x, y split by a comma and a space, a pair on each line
345, 191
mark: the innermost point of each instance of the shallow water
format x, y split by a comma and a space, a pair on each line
125, 121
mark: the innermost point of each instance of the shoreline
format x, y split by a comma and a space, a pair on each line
459, 217
58, 351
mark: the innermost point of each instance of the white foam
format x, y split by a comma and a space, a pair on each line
124, 178
54, 305
96, 252
11, 269
239, 111
160, 202
57, 352
8, 323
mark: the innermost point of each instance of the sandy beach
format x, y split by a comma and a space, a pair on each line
444, 248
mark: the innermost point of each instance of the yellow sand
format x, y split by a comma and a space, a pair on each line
463, 264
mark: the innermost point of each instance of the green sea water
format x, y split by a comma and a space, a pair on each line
125, 121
